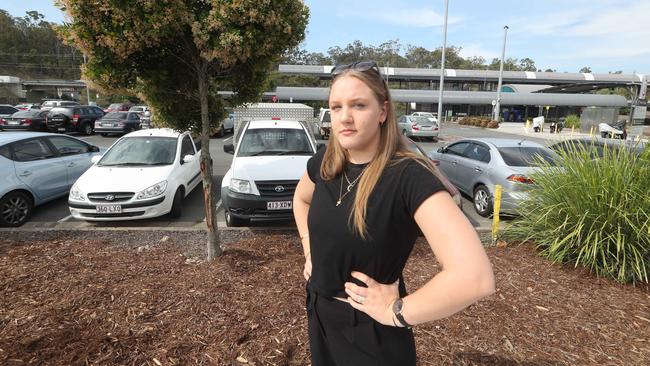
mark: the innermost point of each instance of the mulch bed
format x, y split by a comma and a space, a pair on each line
102, 302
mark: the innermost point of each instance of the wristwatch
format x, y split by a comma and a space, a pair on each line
397, 311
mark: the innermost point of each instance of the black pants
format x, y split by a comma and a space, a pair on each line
340, 335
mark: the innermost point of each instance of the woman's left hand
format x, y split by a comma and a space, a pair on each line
375, 300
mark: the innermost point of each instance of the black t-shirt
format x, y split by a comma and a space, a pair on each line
337, 249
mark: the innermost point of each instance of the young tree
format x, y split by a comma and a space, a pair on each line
177, 54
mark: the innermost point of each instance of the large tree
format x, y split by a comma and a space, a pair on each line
177, 54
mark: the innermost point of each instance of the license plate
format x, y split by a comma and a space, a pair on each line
108, 209
426, 127
61, 129
13, 122
279, 205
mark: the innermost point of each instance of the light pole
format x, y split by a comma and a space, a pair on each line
497, 108
442, 67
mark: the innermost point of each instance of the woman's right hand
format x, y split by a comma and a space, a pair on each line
307, 271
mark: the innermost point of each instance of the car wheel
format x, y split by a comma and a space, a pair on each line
128, 130
15, 209
604, 135
87, 129
233, 221
482, 201
404, 132
177, 205
221, 132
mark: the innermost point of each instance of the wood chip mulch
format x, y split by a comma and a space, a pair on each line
98, 302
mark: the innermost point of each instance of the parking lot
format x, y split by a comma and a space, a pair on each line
56, 213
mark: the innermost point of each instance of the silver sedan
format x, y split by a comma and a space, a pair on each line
477, 165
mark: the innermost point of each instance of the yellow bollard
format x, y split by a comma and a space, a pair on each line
572, 130
527, 125
495, 215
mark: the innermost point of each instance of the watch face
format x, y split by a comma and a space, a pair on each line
397, 306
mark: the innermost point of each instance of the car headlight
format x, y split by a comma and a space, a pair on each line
76, 194
240, 186
153, 191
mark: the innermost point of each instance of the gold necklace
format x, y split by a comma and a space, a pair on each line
349, 187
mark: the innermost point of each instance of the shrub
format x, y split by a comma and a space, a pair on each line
591, 212
572, 120
493, 124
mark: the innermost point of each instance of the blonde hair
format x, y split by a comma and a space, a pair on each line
392, 149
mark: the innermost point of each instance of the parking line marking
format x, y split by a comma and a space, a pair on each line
65, 218
226, 139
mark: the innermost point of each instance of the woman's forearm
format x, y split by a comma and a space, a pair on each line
300, 210
445, 294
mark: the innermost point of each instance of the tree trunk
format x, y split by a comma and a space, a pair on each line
214, 249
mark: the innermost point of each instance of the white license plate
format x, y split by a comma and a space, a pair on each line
279, 205
13, 122
426, 127
61, 129
108, 209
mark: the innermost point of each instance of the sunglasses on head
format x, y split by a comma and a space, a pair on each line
358, 66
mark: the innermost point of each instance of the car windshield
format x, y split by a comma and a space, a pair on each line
114, 106
526, 155
115, 115
27, 114
419, 120
141, 150
61, 110
427, 115
274, 141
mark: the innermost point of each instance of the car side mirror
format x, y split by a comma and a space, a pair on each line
187, 159
441, 150
229, 148
93, 148
95, 159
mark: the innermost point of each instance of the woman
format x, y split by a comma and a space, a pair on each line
359, 208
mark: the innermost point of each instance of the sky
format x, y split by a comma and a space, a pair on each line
566, 35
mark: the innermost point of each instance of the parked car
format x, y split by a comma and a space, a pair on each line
118, 107
6, 110
269, 160
477, 165
428, 115
453, 191
79, 118
416, 126
227, 125
118, 122
144, 174
36, 168
27, 120
27, 106
139, 109
49, 104
599, 146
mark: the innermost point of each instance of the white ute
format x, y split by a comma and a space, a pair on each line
269, 160
144, 174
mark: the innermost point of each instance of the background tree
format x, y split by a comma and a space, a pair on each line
586, 70
30, 49
177, 54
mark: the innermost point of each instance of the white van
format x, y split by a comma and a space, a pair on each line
269, 160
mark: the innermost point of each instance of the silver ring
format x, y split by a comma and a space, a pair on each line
361, 299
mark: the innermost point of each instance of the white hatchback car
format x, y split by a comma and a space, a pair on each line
144, 174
